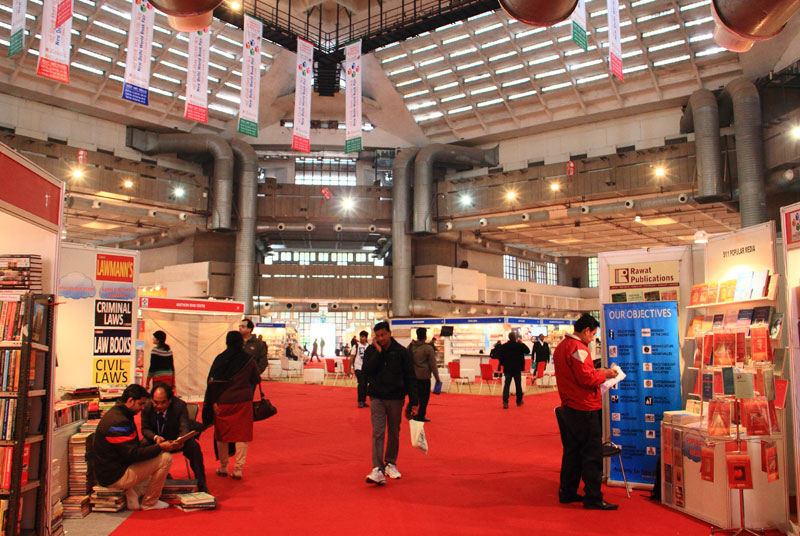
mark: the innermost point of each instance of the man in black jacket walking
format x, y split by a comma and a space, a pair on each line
512, 359
390, 377
122, 461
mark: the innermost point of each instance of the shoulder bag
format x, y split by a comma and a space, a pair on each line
263, 409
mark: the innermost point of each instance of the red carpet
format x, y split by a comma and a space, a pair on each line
489, 471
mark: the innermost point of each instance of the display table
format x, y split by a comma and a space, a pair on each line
473, 361
766, 505
313, 375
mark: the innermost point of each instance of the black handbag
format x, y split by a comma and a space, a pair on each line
263, 409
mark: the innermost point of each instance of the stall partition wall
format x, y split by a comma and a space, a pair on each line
790, 219
196, 331
97, 316
31, 212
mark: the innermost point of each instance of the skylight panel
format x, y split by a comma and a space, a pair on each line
662, 46
543, 59
424, 104
541, 44
427, 117
496, 42
476, 78
409, 82
459, 110
515, 82
556, 86
416, 94
469, 65
659, 31
423, 49
445, 86
670, 61
486, 89
591, 78
463, 51
522, 95
455, 39
502, 56
488, 28
453, 97
394, 58
509, 69
439, 73
489, 103
431, 61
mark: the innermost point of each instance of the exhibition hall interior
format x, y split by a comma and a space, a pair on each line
186, 184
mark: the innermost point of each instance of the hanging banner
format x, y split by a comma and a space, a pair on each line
251, 69
17, 39
642, 338
64, 12
54, 49
301, 138
197, 77
352, 63
614, 39
579, 25
140, 47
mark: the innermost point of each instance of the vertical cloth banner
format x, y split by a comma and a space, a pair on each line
54, 49
140, 49
251, 70
197, 77
614, 39
352, 63
301, 138
64, 12
17, 39
642, 338
579, 25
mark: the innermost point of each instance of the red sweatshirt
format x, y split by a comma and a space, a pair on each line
578, 381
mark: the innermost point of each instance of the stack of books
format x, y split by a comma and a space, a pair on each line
76, 506
70, 411
90, 426
174, 489
20, 274
191, 502
79, 483
57, 519
107, 499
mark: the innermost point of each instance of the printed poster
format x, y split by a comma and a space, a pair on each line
791, 228
197, 77
614, 39
53, 59
644, 281
579, 26
642, 339
251, 70
17, 39
140, 51
353, 91
301, 138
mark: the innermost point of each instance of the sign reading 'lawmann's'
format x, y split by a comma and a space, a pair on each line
650, 281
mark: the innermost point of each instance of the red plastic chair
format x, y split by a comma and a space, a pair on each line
330, 370
455, 376
347, 372
487, 376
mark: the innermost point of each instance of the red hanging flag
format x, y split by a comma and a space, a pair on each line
82, 156
326, 193
570, 168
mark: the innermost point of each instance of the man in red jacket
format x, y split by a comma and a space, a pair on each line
581, 427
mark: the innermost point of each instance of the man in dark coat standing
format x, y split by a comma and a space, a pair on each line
541, 351
512, 360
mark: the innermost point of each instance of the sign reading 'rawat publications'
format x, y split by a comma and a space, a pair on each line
642, 339
647, 281
579, 25
140, 48
352, 64
251, 70
54, 47
17, 39
301, 139
614, 39
197, 77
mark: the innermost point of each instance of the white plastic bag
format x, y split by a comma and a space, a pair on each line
418, 440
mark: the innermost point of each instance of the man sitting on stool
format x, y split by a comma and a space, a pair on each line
165, 418
122, 461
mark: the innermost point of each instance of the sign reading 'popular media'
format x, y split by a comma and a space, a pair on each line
114, 268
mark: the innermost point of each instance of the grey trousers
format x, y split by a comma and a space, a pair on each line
386, 418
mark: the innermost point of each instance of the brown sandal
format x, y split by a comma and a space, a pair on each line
222, 472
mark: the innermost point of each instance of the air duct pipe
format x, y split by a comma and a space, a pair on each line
152, 143
628, 206
245, 253
702, 117
280, 227
741, 98
474, 224
401, 240
341, 228
187, 15
539, 13
423, 175
82, 203
172, 236
740, 23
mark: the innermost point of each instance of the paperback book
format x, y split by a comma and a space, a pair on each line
739, 473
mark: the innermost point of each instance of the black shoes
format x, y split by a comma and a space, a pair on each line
505, 404
520, 402
602, 505
571, 498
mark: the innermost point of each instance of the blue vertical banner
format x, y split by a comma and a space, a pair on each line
642, 338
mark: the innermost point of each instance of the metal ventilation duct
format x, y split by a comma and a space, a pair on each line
245, 251
187, 15
539, 13
701, 116
740, 23
401, 240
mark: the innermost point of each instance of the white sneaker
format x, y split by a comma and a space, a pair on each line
391, 471
132, 499
376, 477
159, 505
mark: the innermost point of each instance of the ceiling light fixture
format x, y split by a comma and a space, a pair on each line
511, 196
466, 200
701, 237
637, 219
179, 191
236, 6
660, 171
77, 174
555, 187
348, 204
796, 132
128, 184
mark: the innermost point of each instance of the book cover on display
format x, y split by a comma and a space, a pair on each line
727, 291
762, 315
710, 295
708, 348
772, 286
781, 386
696, 326
727, 381
743, 286
719, 388
743, 384
707, 464
775, 325
755, 416
724, 348
773, 417
731, 316
716, 323
759, 343
771, 453
719, 417
760, 284
707, 323
745, 318
698, 291
740, 475
741, 346
708, 385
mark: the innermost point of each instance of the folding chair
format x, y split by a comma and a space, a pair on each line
487, 376
347, 372
330, 370
609, 448
455, 376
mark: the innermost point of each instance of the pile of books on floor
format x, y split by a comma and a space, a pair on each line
191, 502
79, 483
20, 274
76, 506
107, 499
57, 519
173, 490
89, 426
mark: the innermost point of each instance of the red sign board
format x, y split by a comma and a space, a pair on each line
23, 187
570, 168
206, 306
82, 156
326, 193
114, 268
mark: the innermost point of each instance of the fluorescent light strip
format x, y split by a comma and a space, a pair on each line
109, 27
488, 28
496, 42
698, 22
431, 61
409, 82
453, 97
455, 39
526, 33
438, 74
632, 54
116, 78
515, 82
489, 103
459, 110
228, 97
486, 89
577, 51
423, 49
509, 69
670, 61
174, 66
551, 73
556, 86
687, 7
634, 69
710, 51
544, 59
416, 94
233, 86
401, 70
585, 64
655, 15
591, 78
476, 78
223, 109
469, 65
118, 13
660, 31
222, 53
502, 56
541, 44
671, 44
87, 68
94, 55
167, 78
394, 58
418, 105
426, 117
179, 52
516, 96
91, 37
463, 51
445, 86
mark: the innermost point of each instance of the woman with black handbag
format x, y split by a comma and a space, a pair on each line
228, 403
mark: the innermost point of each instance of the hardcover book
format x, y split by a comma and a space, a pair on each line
739, 473
759, 284
707, 464
743, 384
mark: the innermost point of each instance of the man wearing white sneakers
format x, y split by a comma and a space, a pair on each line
390, 377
